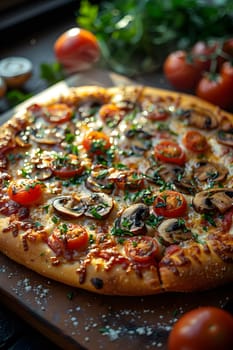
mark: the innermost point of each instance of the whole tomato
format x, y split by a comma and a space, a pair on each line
207, 54
76, 49
203, 328
180, 71
218, 89
228, 47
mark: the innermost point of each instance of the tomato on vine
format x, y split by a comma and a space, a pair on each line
218, 88
181, 71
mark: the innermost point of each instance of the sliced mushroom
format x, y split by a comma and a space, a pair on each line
48, 136
209, 172
127, 179
140, 140
69, 206
220, 199
200, 119
168, 172
225, 137
98, 180
185, 185
22, 138
88, 108
138, 133
41, 173
133, 219
98, 205
172, 231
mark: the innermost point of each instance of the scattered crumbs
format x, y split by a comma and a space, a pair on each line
122, 323
40, 293
3, 269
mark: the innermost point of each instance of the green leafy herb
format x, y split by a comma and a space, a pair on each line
52, 73
15, 97
135, 36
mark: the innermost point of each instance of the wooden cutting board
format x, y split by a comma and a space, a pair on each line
76, 319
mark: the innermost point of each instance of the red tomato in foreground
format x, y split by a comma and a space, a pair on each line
201, 329
218, 90
77, 49
25, 192
181, 73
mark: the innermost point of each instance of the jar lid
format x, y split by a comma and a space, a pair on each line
15, 70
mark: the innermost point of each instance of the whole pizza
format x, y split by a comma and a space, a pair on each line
120, 191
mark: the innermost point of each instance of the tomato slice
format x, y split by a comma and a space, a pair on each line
96, 142
58, 113
170, 152
76, 237
68, 237
227, 220
25, 192
111, 114
142, 249
67, 167
170, 204
195, 141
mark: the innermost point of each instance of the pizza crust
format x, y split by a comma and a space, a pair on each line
197, 267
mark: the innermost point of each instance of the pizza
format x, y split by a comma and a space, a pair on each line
125, 190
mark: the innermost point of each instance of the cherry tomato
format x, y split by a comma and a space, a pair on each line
96, 142
218, 90
36, 110
77, 49
195, 141
111, 114
170, 152
158, 114
58, 113
68, 236
170, 204
25, 192
203, 328
67, 166
142, 249
181, 73
76, 237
